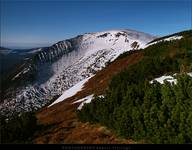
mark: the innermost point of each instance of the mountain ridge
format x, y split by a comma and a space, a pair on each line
65, 123
54, 69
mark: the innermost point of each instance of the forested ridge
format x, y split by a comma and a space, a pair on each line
156, 113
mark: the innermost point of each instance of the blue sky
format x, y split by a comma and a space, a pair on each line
35, 23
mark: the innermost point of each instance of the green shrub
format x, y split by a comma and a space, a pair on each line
18, 128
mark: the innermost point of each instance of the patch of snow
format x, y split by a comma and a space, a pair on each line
85, 100
22, 72
101, 96
162, 79
78, 101
176, 37
34, 51
16, 76
168, 78
25, 70
72, 91
190, 74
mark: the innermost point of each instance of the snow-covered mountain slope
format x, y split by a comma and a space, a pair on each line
54, 69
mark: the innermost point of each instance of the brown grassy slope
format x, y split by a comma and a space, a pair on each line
64, 124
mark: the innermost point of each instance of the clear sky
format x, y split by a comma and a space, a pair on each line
34, 23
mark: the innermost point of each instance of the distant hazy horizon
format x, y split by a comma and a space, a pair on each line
30, 24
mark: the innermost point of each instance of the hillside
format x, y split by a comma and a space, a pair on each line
127, 106
62, 116
134, 107
99, 85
